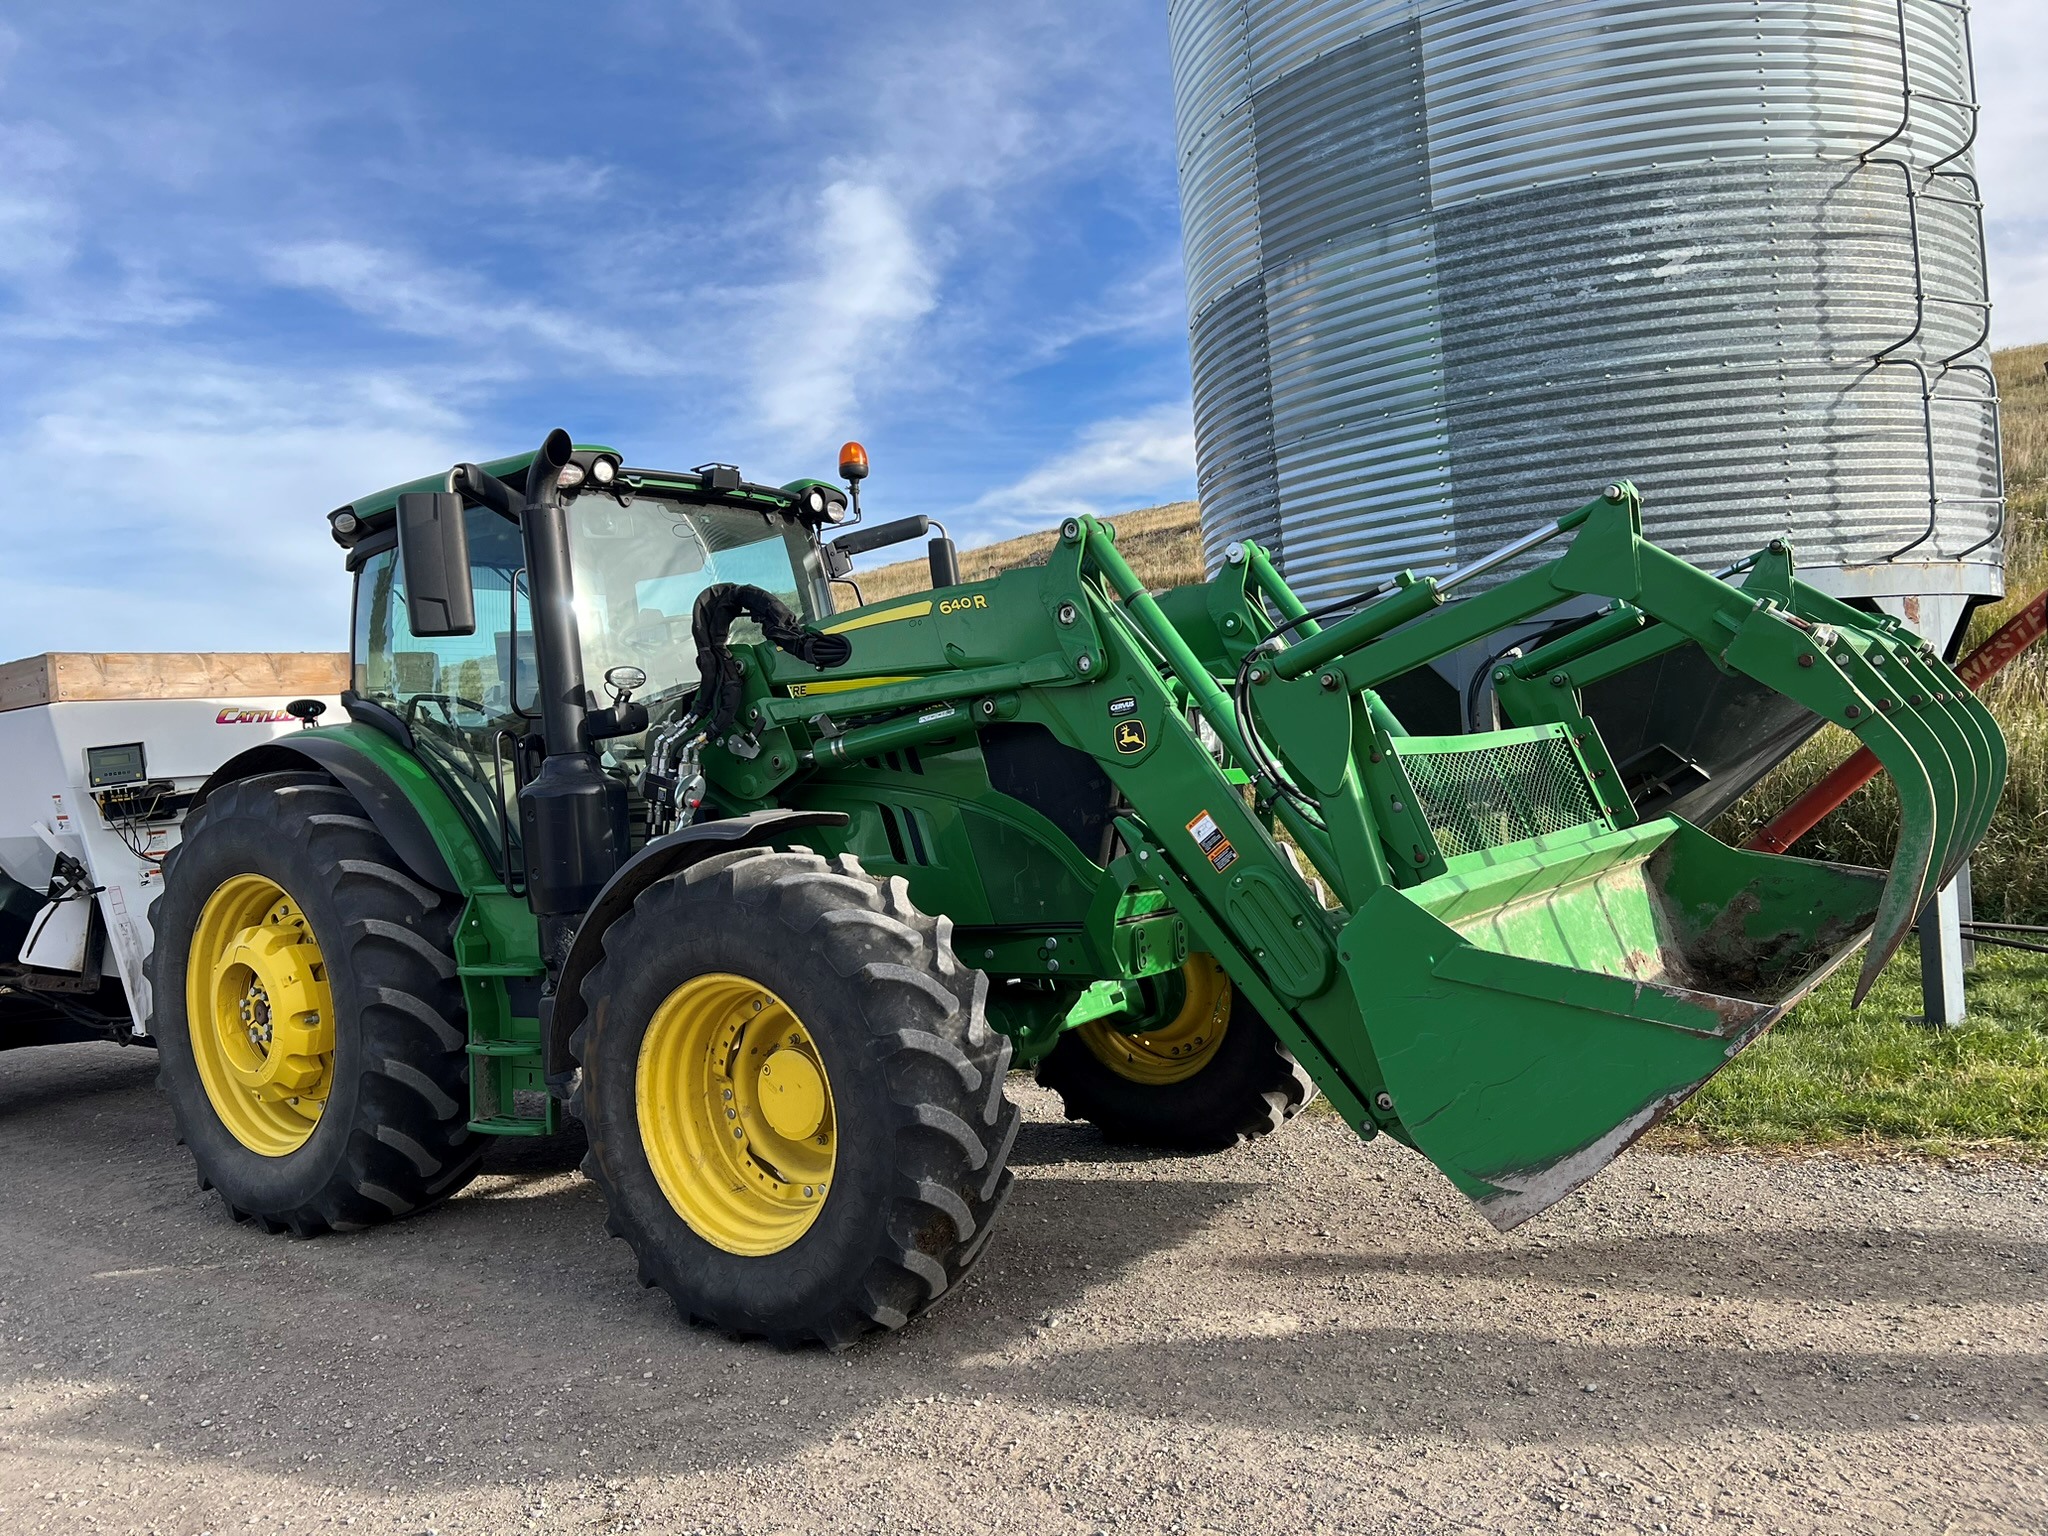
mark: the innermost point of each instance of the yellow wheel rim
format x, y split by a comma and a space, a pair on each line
736, 1115
1182, 1046
260, 1014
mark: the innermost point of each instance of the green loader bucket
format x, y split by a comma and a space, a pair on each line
1533, 1013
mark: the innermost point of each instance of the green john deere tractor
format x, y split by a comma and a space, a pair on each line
776, 916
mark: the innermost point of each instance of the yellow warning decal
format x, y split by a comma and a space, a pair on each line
843, 684
886, 616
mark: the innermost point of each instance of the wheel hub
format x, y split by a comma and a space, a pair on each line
1182, 1044
735, 1112
792, 1094
272, 977
261, 1015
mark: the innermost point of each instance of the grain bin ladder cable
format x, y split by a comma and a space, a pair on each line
1971, 198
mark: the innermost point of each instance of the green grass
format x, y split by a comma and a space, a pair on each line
1828, 1076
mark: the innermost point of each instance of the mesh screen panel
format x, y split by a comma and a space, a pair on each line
1481, 797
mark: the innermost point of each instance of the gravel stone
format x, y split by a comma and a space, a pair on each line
1151, 1345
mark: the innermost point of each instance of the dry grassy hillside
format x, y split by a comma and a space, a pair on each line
1163, 545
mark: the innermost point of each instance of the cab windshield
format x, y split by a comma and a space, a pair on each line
640, 567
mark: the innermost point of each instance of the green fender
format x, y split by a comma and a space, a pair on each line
409, 809
561, 1011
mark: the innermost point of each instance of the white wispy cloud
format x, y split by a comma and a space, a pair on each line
174, 502
1112, 465
421, 299
868, 280
894, 259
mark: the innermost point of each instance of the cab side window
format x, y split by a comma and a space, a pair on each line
456, 693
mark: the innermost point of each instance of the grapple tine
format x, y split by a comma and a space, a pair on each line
1997, 759
1939, 703
1987, 757
1944, 749
1906, 887
1967, 707
1939, 699
1825, 667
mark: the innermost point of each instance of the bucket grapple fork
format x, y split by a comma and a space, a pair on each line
1518, 975
1864, 672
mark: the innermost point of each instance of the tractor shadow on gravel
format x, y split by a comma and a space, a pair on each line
1809, 1264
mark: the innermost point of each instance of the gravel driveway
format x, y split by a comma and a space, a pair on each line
1305, 1335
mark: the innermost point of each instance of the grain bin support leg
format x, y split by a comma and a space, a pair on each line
1941, 957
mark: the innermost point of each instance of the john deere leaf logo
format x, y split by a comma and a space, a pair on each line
1130, 736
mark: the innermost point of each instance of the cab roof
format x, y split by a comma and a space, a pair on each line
712, 482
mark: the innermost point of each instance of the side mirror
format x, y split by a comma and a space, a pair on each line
433, 556
623, 682
858, 541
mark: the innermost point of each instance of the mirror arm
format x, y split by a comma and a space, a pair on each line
861, 540
486, 489
942, 558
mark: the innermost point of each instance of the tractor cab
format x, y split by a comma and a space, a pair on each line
642, 547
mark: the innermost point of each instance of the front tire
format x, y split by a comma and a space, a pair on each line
307, 1012
1209, 1077
794, 1101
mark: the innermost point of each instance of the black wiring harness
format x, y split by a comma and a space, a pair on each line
721, 685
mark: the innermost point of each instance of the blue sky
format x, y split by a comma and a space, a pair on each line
258, 259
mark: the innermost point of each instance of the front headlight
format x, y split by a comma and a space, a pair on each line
571, 477
821, 504
604, 471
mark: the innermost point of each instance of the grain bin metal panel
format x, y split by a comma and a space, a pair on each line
1340, 151
1233, 420
1505, 252
1362, 455
1210, 66
1220, 229
1743, 407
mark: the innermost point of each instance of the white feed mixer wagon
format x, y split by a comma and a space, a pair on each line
100, 756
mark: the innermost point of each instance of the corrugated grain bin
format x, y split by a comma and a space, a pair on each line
1452, 265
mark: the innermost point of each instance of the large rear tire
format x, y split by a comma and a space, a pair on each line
1211, 1076
794, 1101
307, 1012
